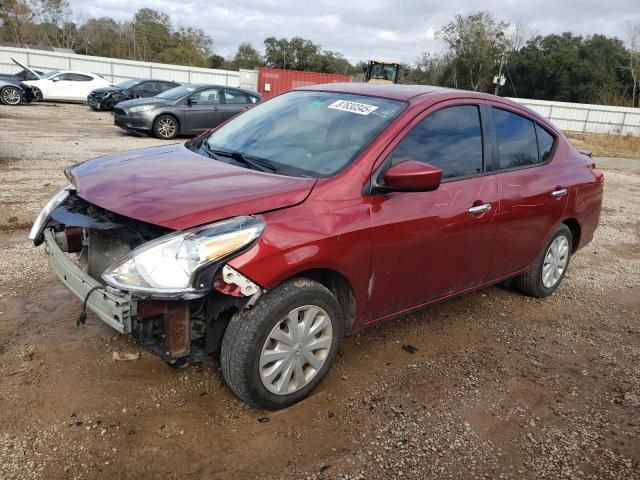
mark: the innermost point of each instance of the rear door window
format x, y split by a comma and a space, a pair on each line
233, 96
450, 138
81, 78
517, 143
210, 96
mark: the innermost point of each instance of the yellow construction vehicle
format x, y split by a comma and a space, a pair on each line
379, 71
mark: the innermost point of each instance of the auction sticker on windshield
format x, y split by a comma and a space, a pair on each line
353, 107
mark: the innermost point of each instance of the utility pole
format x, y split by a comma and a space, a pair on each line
499, 79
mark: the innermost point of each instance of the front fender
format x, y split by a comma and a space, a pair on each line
311, 236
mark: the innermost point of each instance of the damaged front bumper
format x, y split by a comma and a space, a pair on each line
114, 308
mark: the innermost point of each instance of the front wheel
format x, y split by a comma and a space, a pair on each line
11, 96
275, 354
37, 94
545, 275
165, 127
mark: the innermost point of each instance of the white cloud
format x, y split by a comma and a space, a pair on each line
362, 29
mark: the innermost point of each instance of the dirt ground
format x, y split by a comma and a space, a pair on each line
501, 386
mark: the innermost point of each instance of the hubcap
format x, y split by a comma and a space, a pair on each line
167, 127
555, 261
295, 350
11, 96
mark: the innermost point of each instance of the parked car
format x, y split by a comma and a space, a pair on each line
185, 110
14, 92
67, 85
106, 98
314, 214
23, 74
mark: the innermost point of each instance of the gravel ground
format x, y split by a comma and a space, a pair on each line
501, 386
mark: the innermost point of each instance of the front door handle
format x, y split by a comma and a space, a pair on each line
480, 209
559, 192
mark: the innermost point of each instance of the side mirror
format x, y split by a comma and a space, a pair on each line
55, 79
411, 176
191, 101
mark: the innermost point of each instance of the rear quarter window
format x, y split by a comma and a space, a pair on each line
546, 142
517, 142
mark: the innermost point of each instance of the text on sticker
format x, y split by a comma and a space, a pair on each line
353, 107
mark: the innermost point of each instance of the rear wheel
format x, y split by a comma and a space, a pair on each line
545, 275
11, 95
275, 354
165, 127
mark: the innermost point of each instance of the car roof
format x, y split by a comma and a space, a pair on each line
391, 91
415, 93
210, 85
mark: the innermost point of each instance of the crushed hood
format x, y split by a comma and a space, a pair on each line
173, 187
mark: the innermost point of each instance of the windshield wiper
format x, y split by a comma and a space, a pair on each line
249, 161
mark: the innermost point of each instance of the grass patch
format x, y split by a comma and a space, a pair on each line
607, 145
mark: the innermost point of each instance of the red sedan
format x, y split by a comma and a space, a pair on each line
319, 212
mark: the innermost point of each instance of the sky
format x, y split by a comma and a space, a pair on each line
367, 29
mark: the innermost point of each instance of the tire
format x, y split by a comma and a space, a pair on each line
11, 95
165, 127
247, 341
37, 94
542, 280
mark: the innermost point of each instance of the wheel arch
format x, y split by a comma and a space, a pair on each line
576, 232
340, 286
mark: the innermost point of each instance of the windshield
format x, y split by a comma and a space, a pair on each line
383, 71
304, 133
175, 93
50, 73
127, 84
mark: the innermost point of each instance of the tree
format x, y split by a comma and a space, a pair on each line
569, 68
247, 57
296, 54
217, 61
151, 33
474, 42
17, 18
429, 69
633, 59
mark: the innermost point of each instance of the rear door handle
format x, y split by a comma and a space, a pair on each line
480, 209
559, 192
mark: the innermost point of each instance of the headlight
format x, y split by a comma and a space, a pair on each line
141, 108
43, 216
167, 265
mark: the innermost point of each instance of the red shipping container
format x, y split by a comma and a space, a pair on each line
272, 81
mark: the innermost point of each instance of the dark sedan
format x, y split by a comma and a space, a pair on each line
107, 97
14, 92
185, 110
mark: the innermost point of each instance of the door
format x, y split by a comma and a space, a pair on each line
147, 89
202, 110
429, 245
81, 86
533, 191
235, 102
59, 86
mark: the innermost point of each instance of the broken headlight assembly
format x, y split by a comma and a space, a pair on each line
41, 220
168, 266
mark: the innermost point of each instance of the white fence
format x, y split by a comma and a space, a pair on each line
116, 70
586, 118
